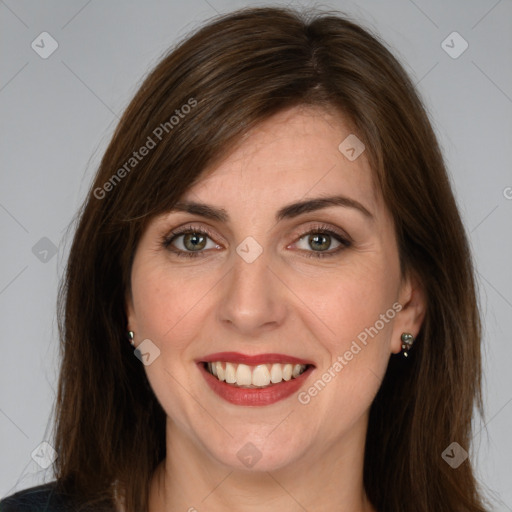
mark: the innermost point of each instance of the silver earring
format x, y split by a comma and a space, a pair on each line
130, 337
407, 341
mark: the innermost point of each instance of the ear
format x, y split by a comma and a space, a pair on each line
412, 298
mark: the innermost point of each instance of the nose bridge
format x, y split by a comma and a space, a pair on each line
252, 298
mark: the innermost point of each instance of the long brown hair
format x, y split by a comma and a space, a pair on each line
233, 73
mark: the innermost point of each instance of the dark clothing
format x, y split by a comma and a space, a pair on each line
43, 498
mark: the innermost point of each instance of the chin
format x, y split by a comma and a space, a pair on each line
255, 453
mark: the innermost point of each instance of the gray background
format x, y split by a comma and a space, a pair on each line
57, 115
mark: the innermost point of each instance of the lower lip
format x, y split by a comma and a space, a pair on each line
255, 396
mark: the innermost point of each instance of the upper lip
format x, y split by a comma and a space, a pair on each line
236, 357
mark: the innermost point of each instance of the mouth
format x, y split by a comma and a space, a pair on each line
254, 380
252, 377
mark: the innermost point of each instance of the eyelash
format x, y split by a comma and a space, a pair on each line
316, 230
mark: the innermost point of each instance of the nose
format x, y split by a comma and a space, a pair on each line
253, 298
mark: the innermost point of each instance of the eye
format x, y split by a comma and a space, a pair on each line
189, 242
320, 239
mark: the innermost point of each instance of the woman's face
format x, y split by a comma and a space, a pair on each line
263, 300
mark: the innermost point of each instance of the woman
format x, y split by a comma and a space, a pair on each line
272, 233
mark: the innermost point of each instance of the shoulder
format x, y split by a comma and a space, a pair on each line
42, 498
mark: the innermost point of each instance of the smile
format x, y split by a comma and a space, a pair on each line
254, 380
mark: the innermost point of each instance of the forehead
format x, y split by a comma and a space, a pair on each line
293, 155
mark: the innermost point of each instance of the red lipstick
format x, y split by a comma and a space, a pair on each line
254, 396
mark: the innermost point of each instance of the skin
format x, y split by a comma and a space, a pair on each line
284, 302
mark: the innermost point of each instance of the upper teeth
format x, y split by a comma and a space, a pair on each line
259, 376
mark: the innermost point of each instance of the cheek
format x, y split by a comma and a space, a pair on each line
356, 305
359, 314
166, 308
350, 302
166, 302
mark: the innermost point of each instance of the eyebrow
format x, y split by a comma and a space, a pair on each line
287, 212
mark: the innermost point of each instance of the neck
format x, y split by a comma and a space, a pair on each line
327, 480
